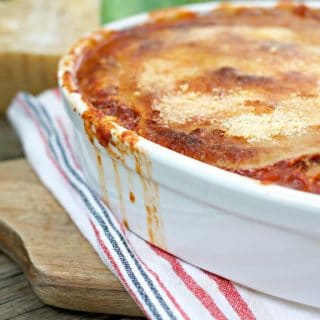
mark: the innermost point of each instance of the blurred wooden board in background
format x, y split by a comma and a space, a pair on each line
33, 36
10, 146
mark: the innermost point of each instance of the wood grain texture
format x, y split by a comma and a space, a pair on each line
62, 268
18, 302
10, 146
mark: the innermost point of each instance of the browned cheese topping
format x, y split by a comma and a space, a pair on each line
238, 87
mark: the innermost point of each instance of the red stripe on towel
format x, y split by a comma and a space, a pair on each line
192, 285
233, 296
170, 296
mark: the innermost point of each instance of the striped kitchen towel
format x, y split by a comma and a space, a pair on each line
163, 286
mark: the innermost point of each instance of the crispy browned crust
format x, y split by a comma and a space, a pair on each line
238, 88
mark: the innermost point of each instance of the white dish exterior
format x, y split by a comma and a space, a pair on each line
264, 237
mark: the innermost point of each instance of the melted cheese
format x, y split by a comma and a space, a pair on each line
232, 111
162, 75
236, 89
281, 122
189, 106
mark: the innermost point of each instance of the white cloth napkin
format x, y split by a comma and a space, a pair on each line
163, 286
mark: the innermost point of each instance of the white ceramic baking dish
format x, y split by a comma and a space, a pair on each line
264, 237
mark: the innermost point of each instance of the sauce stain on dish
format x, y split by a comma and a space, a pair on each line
150, 192
120, 146
90, 130
120, 192
126, 224
126, 146
152, 223
132, 197
130, 185
101, 175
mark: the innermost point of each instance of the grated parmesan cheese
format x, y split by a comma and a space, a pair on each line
161, 75
231, 113
291, 117
185, 106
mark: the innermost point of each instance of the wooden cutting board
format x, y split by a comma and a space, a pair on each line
62, 268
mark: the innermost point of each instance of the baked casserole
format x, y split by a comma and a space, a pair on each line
238, 88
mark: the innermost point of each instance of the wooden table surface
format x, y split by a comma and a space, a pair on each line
17, 300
